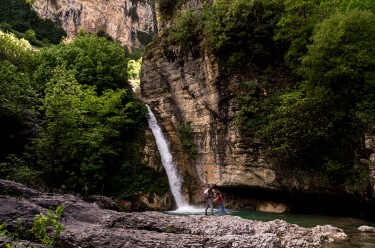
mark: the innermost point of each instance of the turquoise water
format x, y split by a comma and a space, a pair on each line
349, 225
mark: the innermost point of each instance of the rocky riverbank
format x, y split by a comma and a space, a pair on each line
88, 225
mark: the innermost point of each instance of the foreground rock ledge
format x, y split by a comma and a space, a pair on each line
87, 225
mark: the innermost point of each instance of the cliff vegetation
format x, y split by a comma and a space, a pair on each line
306, 77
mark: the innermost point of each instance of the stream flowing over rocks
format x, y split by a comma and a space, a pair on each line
88, 225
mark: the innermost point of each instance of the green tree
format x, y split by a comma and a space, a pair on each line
361, 5
83, 133
342, 60
300, 18
342, 54
95, 60
134, 69
30, 35
316, 125
18, 52
17, 96
240, 32
187, 28
295, 28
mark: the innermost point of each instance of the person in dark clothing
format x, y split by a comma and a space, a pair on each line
208, 197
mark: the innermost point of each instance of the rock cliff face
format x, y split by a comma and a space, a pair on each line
120, 19
188, 89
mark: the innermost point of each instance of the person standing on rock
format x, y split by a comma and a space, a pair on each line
208, 197
220, 201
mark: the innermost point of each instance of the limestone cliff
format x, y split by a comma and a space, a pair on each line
124, 21
187, 87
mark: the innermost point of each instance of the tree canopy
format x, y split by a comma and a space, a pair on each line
67, 120
95, 60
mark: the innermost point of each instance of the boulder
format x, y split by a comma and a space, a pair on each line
88, 225
366, 229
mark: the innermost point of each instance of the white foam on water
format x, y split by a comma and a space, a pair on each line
188, 210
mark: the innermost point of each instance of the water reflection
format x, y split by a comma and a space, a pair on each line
350, 226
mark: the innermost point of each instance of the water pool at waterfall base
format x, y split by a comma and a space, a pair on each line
350, 225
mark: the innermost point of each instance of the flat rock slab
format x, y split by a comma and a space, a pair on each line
366, 229
87, 225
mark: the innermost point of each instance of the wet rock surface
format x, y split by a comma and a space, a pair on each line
87, 225
365, 228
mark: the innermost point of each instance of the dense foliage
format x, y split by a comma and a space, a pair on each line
241, 32
16, 16
17, 94
67, 120
167, 8
95, 61
318, 124
313, 116
186, 135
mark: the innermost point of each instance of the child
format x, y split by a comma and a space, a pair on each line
220, 201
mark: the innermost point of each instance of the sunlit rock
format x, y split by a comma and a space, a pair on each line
121, 20
366, 229
87, 225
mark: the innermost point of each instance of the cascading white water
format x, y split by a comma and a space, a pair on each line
174, 179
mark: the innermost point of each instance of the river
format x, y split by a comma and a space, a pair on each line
350, 226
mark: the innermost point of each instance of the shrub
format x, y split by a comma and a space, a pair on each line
187, 28
241, 32
166, 8
47, 228
187, 138
144, 38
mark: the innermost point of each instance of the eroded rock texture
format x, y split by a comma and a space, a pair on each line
120, 19
184, 88
87, 225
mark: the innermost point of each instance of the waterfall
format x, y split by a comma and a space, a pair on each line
167, 160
